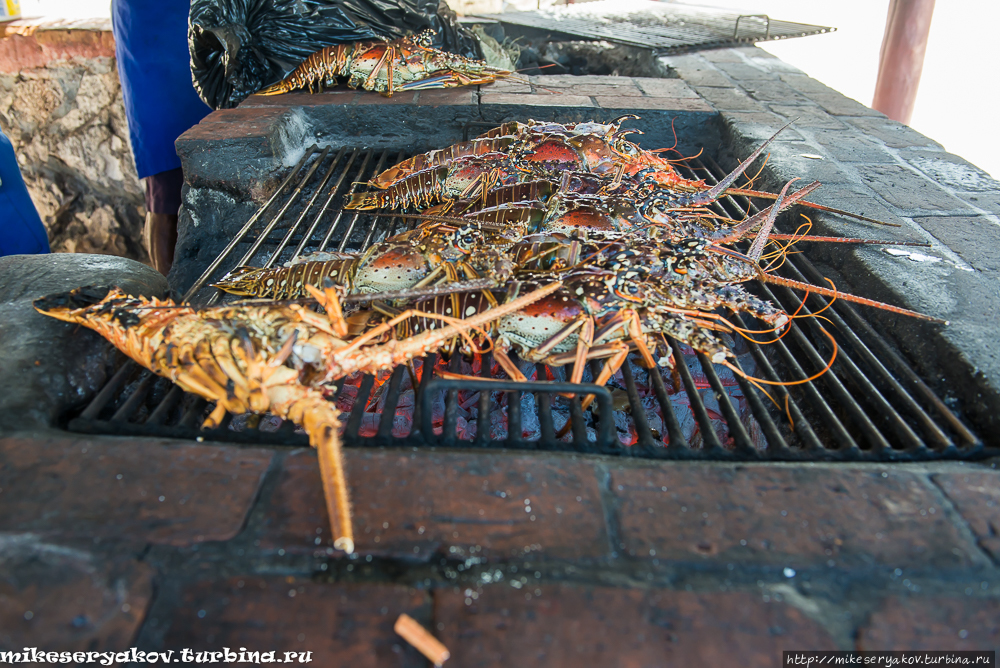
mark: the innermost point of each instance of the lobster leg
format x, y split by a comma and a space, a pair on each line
561, 335
507, 364
584, 341
329, 299
610, 368
448, 79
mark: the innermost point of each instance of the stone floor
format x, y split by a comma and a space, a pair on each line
512, 559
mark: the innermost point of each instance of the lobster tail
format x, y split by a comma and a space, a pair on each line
419, 190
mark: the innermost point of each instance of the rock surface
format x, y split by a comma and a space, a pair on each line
67, 123
51, 366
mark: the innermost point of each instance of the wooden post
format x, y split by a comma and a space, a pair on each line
902, 57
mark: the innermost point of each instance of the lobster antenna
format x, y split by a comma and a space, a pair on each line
757, 247
812, 205
827, 292
846, 240
716, 191
739, 230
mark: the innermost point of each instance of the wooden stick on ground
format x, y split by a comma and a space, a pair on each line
419, 637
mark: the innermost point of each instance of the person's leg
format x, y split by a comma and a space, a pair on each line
163, 201
21, 230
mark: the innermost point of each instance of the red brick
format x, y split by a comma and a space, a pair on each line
342, 625
977, 498
513, 85
566, 625
235, 124
410, 504
61, 599
786, 515
672, 104
489, 97
340, 95
573, 80
370, 97
665, 88
626, 88
933, 623
448, 97
111, 488
24, 47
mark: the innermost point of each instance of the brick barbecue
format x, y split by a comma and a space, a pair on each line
545, 558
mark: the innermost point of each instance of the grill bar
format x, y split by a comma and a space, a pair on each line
870, 406
312, 200
200, 283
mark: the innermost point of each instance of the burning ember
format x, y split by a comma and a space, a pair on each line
469, 402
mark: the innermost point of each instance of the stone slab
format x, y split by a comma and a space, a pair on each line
409, 505
59, 599
557, 626
951, 171
729, 99
745, 73
696, 71
808, 116
561, 100
774, 91
954, 623
976, 496
908, 190
133, 492
893, 133
975, 239
841, 105
57, 365
667, 104
341, 624
781, 516
670, 88
847, 147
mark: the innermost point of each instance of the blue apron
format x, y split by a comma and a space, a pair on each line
21, 230
153, 64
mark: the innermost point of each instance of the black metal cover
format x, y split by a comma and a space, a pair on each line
660, 26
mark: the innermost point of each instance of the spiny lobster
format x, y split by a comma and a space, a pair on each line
517, 153
275, 358
411, 259
404, 64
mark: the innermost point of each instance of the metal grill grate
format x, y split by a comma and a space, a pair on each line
870, 406
657, 25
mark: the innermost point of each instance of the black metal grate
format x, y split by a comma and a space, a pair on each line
661, 26
870, 406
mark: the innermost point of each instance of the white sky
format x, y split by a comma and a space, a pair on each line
958, 95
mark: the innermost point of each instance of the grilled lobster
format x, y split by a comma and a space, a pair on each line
261, 358
405, 64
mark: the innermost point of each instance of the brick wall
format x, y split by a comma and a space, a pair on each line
512, 559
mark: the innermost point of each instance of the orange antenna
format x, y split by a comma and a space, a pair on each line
812, 205
827, 292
